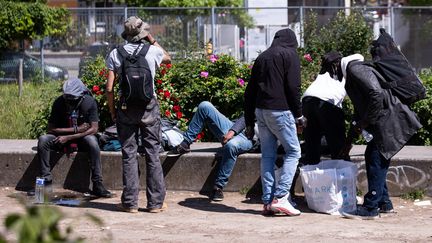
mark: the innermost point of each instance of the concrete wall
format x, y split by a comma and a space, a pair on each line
410, 170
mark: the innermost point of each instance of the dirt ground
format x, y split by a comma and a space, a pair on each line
191, 217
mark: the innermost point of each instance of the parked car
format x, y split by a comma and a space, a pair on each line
92, 51
9, 65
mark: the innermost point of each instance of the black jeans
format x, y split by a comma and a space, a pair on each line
129, 123
323, 118
88, 143
376, 171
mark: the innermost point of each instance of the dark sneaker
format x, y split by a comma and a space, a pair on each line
386, 208
180, 149
100, 191
362, 213
217, 195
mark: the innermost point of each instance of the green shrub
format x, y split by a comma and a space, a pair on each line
422, 109
414, 195
40, 223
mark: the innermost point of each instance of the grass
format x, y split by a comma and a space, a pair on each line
415, 194
16, 112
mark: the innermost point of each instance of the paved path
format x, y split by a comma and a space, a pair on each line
192, 218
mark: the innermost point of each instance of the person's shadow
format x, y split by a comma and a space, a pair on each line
77, 178
204, 204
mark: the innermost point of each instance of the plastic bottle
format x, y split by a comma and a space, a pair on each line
366, 136
40, 190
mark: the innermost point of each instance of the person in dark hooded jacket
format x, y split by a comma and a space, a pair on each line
390, 122
273, 98
72, 124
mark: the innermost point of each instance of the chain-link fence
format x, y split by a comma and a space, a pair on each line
240, 32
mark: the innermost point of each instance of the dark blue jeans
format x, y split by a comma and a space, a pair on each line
376, 170
219, 125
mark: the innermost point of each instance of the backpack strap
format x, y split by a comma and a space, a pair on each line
144, 50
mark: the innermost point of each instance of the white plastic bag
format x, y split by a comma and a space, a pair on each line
330, 186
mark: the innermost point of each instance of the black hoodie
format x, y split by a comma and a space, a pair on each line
275, 81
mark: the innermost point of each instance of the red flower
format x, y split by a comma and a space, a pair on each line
159, 81
167, 94
200, 135
163, 71
179, 115
160, 91
176, 108
169, 65
95, 88
99, 92
167, 113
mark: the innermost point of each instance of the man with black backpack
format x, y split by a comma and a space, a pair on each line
391, 123
137, 110
72, 126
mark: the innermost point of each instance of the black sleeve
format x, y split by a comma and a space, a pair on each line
250, 96
239, 125
293, 85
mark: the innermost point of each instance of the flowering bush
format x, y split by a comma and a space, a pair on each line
218, 79
181, 86
94, 76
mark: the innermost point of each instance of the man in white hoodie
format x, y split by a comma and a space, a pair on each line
322, 106
390, 122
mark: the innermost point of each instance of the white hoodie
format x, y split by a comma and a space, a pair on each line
348, 59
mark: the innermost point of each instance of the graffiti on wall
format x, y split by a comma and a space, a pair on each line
399, 176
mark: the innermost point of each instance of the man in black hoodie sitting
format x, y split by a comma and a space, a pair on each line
72, 125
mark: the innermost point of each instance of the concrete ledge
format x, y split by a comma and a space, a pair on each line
411, 169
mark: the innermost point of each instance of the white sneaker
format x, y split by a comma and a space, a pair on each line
282, 205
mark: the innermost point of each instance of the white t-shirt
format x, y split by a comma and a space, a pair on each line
327, 89
154, 57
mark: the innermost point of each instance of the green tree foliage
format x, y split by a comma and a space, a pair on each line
347, 34
26, 21
420, 2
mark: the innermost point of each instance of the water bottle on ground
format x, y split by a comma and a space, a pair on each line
40, 190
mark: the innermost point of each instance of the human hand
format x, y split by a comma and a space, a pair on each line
230, 134
150, 39
250, 132
61, 139
301, 123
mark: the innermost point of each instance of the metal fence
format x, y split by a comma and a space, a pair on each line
177, 28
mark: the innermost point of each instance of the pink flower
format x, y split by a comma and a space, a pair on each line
250, 66
308, 57
240, 81
213, 58
204, 74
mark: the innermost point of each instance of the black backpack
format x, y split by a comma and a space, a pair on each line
136, 83
394, 71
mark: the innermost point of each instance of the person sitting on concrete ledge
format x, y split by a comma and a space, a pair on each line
229, 133
72, 126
